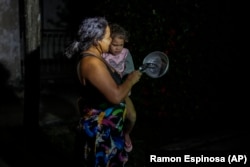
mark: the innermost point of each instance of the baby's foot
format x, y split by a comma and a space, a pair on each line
128, 145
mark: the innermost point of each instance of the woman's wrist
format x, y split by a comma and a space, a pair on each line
130, 83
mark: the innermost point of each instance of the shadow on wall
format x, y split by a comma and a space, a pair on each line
11, 111
7, 95
10, 101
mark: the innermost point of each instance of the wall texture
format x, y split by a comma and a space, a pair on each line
10, 50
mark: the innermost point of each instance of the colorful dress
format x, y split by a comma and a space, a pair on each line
101, 129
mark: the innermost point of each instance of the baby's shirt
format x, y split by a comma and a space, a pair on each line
122, 63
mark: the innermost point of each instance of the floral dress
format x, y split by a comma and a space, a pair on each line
101, 129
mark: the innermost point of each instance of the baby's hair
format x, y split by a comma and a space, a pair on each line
119, 32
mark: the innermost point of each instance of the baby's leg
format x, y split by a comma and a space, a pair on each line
130, 122
130, 116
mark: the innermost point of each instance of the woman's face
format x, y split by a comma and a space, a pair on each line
105, 42
116, 45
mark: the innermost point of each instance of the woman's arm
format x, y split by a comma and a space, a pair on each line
96, 72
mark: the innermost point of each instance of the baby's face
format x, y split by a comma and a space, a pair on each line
116, 46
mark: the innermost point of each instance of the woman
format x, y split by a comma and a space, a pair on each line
102, 104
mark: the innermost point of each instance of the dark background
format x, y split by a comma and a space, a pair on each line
202, 84
199, 104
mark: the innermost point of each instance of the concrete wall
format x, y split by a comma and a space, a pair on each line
10, 42
50, 11
10, 50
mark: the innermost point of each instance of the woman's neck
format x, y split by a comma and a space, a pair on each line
93, 51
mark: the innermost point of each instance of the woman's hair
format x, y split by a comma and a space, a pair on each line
90, 32
119, 32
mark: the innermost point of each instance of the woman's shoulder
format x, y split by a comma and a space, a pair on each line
89, 61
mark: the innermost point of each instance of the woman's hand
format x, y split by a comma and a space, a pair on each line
134, 76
